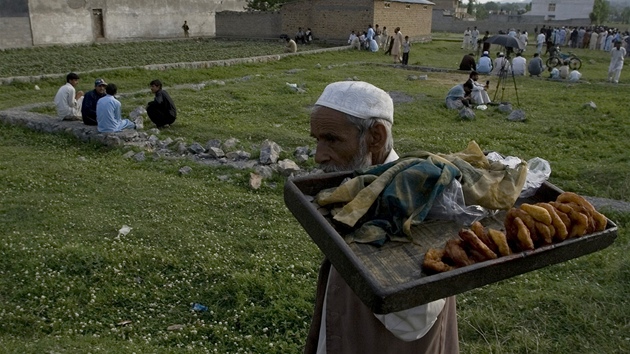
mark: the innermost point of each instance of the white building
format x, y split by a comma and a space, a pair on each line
561, 9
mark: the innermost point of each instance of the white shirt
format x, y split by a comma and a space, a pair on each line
66, 102
518, 65
540, 39
575, 75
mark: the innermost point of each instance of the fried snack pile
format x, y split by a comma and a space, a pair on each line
526, 228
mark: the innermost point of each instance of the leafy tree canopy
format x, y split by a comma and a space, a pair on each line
264, 5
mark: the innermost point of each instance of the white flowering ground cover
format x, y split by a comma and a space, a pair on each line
70, 283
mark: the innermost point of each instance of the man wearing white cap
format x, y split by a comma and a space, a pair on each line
485, 64
352, 123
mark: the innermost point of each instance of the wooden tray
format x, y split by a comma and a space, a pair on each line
390, 278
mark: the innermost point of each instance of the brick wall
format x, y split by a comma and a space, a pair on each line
240, 24
330, 20
414, 20
333, 20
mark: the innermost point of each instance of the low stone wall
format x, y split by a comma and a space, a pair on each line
186, 65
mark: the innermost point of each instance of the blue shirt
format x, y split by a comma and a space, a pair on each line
109, 115
456, 92
485, 65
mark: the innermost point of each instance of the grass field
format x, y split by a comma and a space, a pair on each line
67, 283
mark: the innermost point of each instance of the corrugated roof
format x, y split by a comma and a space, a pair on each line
423, 2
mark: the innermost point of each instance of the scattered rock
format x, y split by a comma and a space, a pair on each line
255, 181
230, 143
454, 104
269, 152
294, 71
412, 77
238, 155
196, 148
505, 107
264, 171
129, 154
216, 152
591, 105
154, 131
467, 113
176, 327
139, 156
137, 112
213, 143
81, 158
185, 170
286, 167
517, 116
223, 178
181, 148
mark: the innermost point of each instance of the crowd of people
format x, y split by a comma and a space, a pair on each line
373, 39
100, 107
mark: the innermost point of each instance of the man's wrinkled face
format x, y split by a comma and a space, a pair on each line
339, 144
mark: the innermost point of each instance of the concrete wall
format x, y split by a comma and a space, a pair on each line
15, 26
249, 24
71, 21
498, 22
564, 9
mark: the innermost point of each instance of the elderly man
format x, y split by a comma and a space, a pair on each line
88, 108
353, 134
67, 100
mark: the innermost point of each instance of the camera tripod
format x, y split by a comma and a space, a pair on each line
503, 76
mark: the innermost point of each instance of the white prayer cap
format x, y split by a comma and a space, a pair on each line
359, 99
485, 52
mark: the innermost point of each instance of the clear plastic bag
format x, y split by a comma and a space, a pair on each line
538, 171
450, 205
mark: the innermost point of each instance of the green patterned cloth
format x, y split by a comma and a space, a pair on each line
385, 201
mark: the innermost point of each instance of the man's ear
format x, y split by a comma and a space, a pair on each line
378, 139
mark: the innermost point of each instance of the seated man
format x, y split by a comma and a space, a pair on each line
554, 74
350, 135
485, 64
575, 76
459, 95
535, 67
564, 70
68, 101
479, 94
501, 65
88, 109
519, 65
468, 63
291, 46
162, 109
109, 113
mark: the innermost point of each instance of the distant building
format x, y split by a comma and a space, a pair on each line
561, 9
451, 8
333, 20
25, 23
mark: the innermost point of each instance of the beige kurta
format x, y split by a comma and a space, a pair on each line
398, 40
351, 327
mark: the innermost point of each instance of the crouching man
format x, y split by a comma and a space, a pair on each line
162, 109
352, 123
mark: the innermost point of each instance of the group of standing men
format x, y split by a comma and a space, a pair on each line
100, 107
397, 45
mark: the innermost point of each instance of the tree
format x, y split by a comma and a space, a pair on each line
601, 10
625, 15
528, 7
470, 9
264, 5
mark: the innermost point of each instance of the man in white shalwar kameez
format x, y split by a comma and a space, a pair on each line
479, 95
617, 55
